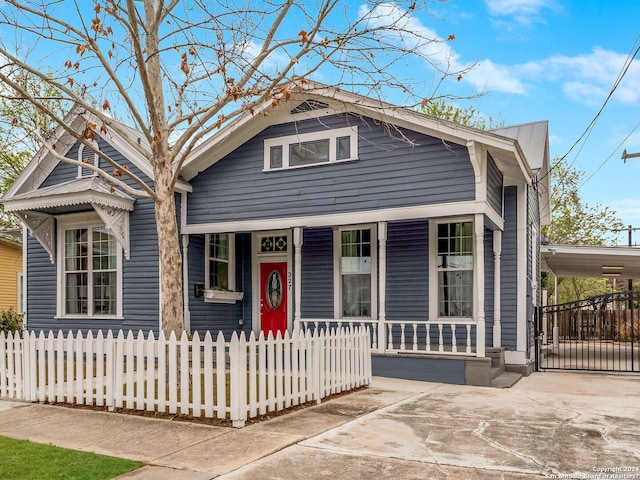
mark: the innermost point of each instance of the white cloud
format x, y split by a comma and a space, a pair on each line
588, 78
628, 209
585, 78
493, 76
523, 11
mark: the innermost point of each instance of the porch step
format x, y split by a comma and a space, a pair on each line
506, 380
496, 354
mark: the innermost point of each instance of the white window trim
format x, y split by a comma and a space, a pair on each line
331, 135
433, 269
535, 241
231, 280
82, 173
83, 220
337, 271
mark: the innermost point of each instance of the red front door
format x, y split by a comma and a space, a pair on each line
273, 298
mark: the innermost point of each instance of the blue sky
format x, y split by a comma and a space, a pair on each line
557, 60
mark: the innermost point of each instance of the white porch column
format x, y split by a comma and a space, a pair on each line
382, 296
497, 294
297, 283
479, 284
185, 282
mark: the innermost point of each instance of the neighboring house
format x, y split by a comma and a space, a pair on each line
10, 272
333, 209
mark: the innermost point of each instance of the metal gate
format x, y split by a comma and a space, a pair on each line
598, 333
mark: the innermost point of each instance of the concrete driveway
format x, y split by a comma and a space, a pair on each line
549, 425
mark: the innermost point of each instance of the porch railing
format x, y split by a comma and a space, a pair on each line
452, 337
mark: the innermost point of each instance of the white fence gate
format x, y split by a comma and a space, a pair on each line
235, 380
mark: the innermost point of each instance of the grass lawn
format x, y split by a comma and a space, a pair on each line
21, 459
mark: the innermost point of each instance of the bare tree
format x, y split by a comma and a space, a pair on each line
178, 71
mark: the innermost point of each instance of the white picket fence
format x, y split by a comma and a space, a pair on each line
236, 380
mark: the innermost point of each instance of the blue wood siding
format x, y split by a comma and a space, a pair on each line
317, 273
509, 270
390, 172
489, 291
494, 185
140, 274
213, 317
408, 271
41, 286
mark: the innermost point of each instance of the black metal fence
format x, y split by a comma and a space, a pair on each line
598, 333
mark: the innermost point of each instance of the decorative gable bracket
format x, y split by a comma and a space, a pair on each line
42, 228
116, 220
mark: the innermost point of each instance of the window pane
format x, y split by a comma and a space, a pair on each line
76, 293
356, 295
76, 254
104, 250
455, 293
104, 293
343, 148
356, 251
219, 246
304, 153
275, 157
219, 274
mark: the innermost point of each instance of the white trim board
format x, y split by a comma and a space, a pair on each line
351, 218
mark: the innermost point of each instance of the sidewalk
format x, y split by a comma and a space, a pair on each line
561, 423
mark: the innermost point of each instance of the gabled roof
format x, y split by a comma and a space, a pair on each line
505, 150
81, 191
43, 162
533, 138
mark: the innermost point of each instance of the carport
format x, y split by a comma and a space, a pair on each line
597, 333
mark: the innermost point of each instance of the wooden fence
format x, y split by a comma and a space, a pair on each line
236, 380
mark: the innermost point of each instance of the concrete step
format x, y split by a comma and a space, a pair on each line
496, 372
506, 380
496, 355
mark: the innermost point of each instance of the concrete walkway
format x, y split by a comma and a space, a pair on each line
548, 423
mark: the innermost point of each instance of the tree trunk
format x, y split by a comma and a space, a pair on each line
172, 306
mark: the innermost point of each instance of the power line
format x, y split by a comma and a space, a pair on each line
587, 131
610, 156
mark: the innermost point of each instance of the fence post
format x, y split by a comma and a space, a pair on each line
26, 366
238, 381
316, 368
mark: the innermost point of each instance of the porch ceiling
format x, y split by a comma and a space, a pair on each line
591, 262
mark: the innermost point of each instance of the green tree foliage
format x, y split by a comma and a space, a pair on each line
464, 116
575, 222
21, 124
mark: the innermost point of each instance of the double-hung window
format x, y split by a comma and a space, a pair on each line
455, 269
220, 266
356, 272
90, 272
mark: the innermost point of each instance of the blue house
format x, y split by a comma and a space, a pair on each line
332, 210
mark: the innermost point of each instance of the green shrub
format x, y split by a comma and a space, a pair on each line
11, 321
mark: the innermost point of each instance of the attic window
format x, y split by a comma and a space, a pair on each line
86, 155
309, 105
310, 149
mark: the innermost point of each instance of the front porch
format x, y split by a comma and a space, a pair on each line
390, 277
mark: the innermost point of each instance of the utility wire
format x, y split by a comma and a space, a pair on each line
610, 156
587, 131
